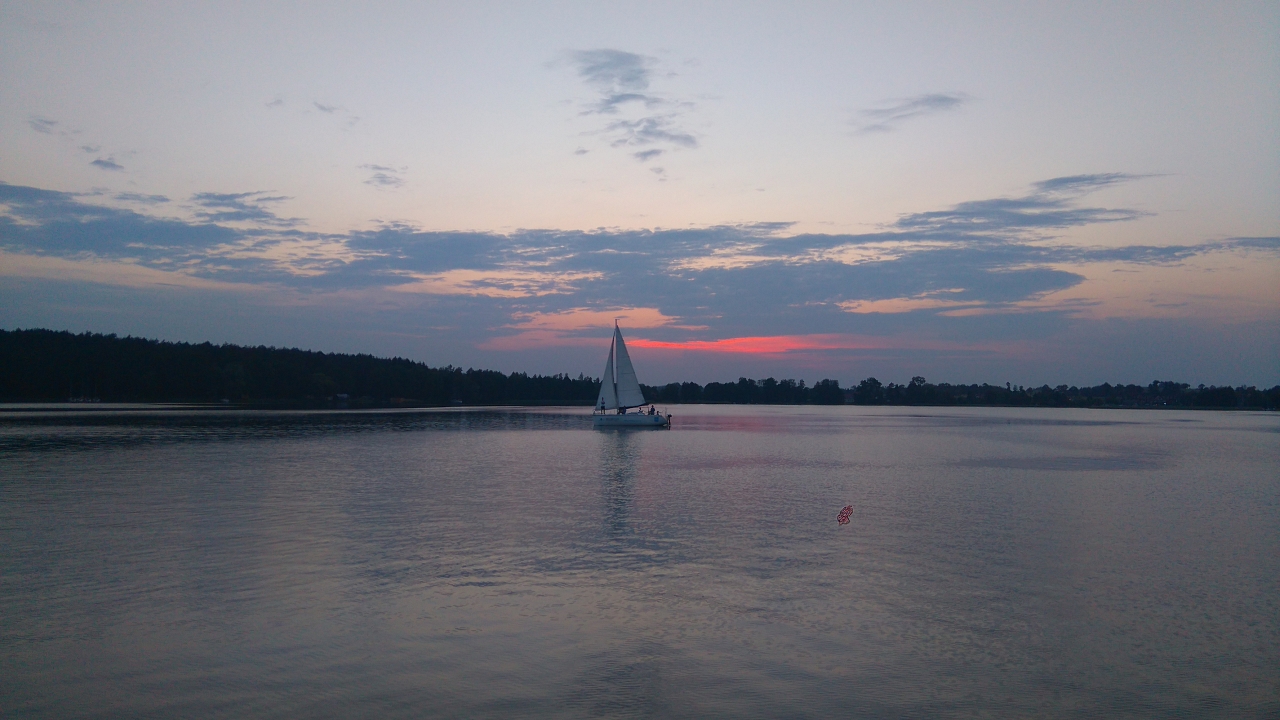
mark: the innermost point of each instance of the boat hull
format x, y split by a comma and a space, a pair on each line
634, 420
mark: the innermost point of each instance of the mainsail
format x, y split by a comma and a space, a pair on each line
608, 399
628, 390
623, 391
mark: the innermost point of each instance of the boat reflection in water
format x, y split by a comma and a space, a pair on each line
621, 393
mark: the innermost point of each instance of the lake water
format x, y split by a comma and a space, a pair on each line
998, 563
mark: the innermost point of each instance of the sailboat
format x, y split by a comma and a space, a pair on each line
621, 392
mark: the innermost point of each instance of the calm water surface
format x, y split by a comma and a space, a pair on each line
999, 562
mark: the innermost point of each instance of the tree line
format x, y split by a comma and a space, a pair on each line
49, 366
920, 392
750, 392
43, 365
1157, 394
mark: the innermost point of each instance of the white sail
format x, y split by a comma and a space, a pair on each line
608, 399
629, 394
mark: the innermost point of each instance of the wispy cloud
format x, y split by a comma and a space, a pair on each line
614, 72
140, 198
107, 163
575, 326
648, 131
49, 126
622, 82
1256, 243
42, 124
73, 137
885, 119
1051, 205
384, 176
248, 207
338, 111
499, 283
1080, 184
382, 179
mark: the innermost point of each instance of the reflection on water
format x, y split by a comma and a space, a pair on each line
996, 562
617, 481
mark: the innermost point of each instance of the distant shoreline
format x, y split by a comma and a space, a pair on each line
81, 371
104, 408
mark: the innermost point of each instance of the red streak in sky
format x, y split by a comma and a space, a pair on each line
779, 344
768, 345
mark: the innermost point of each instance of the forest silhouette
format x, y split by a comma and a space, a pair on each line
52, 366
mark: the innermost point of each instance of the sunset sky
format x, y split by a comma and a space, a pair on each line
989, 192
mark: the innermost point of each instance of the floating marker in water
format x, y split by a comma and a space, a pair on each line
845, 512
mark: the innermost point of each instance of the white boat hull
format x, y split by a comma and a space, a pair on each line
632, 420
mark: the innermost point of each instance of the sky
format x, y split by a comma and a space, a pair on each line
971, 192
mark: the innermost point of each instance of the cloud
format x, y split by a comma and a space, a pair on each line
119, 273
498, 283
240, 207
613, 72
1051, 205
1080, 184
610, 104
885, 119
48, 126
57, 224
42, 124
1255, 243
581, 318
983, 261
384, 176
381, 179
108, 163
336, 110
923, 301
140, 198
574, 326
622, 81
647, 131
